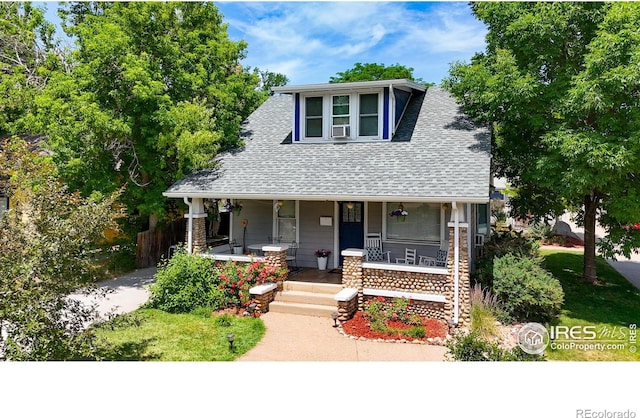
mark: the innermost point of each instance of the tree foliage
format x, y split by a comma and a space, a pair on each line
373, 72
155, 90
28, 54
45, 243
559, 82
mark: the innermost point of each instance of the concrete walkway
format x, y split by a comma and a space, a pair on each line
308, 338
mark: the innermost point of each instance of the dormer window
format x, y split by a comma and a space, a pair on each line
313, 119
360, 111
340, 110
369, 115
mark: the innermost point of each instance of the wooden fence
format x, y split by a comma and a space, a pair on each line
151, 246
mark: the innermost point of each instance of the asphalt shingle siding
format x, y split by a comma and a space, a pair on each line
436, 153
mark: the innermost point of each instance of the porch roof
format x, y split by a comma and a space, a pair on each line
436, 154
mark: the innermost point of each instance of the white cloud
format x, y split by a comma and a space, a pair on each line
305, 40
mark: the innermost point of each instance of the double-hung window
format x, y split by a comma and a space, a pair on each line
368, 115
286, 222
340, 114
313, 117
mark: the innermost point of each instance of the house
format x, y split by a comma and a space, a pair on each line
325, 164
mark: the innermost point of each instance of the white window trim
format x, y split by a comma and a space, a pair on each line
354, 116
303, 118
274, 225
348, 115
380, 115
385, 216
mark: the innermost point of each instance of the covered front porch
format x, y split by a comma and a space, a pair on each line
244, 226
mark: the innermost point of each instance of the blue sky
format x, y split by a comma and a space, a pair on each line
311, 41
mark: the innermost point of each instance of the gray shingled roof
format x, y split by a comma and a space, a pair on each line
437, 154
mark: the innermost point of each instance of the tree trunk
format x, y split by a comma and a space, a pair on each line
589, 274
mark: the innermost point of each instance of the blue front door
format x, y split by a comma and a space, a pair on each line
351, 226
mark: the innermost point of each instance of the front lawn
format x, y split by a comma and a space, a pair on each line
610, 306
154, 335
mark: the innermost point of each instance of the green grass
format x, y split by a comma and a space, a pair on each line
153, 335
614, 302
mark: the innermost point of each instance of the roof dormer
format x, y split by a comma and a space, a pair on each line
348, 112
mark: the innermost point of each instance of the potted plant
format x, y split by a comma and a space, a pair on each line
399, 213
323, 256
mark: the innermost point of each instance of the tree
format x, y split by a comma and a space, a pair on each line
372, 72
28, 54
268, 80
156, 90
559, 84
45, 243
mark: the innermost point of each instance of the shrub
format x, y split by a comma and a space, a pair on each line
526, 291
472, 347
235, 279
502, 243
483, 318
185, 282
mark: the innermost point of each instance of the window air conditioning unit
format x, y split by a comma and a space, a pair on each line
340, 131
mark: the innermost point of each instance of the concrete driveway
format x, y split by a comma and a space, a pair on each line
122, 294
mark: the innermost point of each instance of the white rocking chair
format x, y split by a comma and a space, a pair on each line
373, 248
409, 256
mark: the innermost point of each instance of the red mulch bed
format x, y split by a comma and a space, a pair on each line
569, 242
358, 326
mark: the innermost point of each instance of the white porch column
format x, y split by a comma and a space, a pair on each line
196, 232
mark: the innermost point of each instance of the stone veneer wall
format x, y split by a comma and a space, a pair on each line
278, 260
464, 282
405, 281
263, 300
357, 277
347, 308
199, 235
352, 275
423, 308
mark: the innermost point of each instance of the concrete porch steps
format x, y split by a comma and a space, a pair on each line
302, 298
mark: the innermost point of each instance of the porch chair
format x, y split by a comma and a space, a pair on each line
373, 248
292, 254
409, 256
440, 260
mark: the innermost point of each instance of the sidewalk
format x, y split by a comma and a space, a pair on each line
629, 268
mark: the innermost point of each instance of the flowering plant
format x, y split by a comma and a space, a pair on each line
322, 253
399, 212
